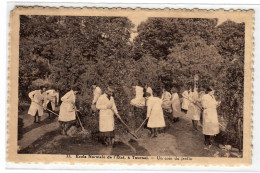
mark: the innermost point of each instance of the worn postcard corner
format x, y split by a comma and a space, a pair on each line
130, 86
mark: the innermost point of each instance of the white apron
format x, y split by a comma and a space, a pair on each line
53, 97
155, 113
210, 116
185, 101
176, 106
139, 100
37, 103
67, 109
193, 110
106, 116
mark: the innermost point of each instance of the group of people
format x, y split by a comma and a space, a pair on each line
41, 100
157, 103
197, 105
202, 106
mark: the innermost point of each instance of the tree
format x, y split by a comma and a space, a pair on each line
157, 35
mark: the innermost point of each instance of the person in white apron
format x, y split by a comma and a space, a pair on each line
185, 101
139, 100
210, 125
138, 105
52, 99
96, 94
155, 114
194, 109
107, 107
37, 104
166, 100
67, 115
176, 105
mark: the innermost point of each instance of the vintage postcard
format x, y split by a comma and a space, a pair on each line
130, 86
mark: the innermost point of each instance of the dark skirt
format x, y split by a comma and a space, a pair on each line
49, 106
66, 124
110, 134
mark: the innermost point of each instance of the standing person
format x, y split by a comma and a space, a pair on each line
155, 114
194, 109
52, 99
67, 114
185, 101
210, 116
37, 100
107, 107
166, 100
176, 105
96, 94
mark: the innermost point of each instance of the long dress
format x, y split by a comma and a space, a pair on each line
185, 101
166, 101
155, 113
106, 116
67, 108
139, 100
176, 106
210, 117
51, 97
193, 110
37, 103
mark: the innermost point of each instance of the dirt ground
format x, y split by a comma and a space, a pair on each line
177, 139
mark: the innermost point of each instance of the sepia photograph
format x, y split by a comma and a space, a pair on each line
131, 87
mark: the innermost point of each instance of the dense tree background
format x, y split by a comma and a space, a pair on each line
65, 51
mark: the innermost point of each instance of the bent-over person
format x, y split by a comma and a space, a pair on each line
107, 107
139, 100
37, 104
52, 99
67, 114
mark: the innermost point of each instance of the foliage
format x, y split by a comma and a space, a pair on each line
68, 51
